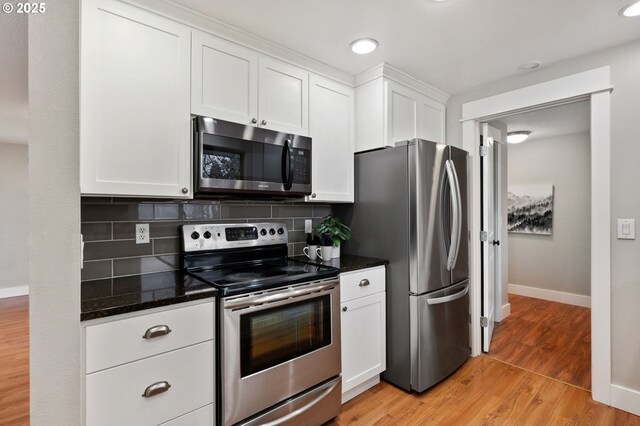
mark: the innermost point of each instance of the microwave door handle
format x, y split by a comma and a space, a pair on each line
287, 172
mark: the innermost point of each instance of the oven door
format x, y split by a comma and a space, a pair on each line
277, 344
233, 158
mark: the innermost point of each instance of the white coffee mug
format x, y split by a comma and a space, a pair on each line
311, 252
325, 252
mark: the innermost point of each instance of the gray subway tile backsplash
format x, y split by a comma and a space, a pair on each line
108, 226
93, 270
115, 249
96, 231
145, 265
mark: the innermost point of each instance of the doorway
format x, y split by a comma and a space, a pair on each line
542, 242
594, 85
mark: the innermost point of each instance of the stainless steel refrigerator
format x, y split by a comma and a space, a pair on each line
411, 208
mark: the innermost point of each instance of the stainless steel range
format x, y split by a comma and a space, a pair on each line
279, 325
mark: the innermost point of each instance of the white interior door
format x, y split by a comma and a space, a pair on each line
490, 213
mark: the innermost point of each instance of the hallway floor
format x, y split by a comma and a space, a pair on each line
549, 338
14, 361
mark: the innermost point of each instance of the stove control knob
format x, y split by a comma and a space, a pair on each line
280, 231
272, 231
263, 232
207, 234
195, 235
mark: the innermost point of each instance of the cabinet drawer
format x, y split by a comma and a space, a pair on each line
122, 341
354, 284
114, 396
201, 417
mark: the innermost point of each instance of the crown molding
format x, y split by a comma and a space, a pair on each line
228, 32
392, 73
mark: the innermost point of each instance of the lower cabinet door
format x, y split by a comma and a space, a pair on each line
363, 340
175, 383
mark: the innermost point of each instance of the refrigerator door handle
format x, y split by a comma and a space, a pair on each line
455, 212
450, 298
458, 222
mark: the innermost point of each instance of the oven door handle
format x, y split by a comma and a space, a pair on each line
275, 297
328, 388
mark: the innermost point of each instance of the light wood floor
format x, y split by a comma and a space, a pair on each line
553, 339
14, 361
483, 391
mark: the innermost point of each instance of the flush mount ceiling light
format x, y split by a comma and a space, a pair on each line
364, 45
518, 137
528, 66
630, 10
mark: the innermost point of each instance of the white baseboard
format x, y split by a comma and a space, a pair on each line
625, 399
504, 312
22, 290
552, 295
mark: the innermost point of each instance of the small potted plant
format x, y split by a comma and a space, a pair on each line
336, 230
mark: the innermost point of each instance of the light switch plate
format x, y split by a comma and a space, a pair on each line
626, 229
308, 226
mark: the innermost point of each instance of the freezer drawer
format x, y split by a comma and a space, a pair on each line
439, 334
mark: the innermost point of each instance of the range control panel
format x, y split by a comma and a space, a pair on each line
224, 236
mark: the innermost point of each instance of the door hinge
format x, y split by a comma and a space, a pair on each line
484, 322
483, 150
483, 236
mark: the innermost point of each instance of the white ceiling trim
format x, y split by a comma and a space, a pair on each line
571, 87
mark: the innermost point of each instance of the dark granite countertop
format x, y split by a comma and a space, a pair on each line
346, 262
113, 296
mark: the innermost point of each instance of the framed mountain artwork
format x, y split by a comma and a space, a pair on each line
530, 209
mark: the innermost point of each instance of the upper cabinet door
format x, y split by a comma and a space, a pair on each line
402, 106
224, 80
430, 121
283, 103
332, 131
135, 121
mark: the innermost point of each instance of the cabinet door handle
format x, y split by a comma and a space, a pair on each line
254, 120
156, 331
264, 122
364, 283
185, 190
313, 195
156, 388
344, 309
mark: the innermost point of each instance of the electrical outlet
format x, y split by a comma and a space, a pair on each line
142, 233
308, 226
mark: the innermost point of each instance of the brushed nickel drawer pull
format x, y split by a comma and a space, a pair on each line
157, 331
156, 388
364, 283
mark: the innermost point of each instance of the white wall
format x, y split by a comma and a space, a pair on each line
14, 220
561, 261
54, 216
624, 62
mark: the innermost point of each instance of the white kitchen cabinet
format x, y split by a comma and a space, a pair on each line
388, 111
224, 79
363, 330
176, 355
283, 99
134, 95
331, 127
234, 83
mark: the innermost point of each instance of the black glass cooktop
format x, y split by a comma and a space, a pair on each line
256, 276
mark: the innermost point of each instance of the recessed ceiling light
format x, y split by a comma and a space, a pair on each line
630, 10
364, 45
528, 66
518, 137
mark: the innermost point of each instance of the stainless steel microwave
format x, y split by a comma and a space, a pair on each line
234, 159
